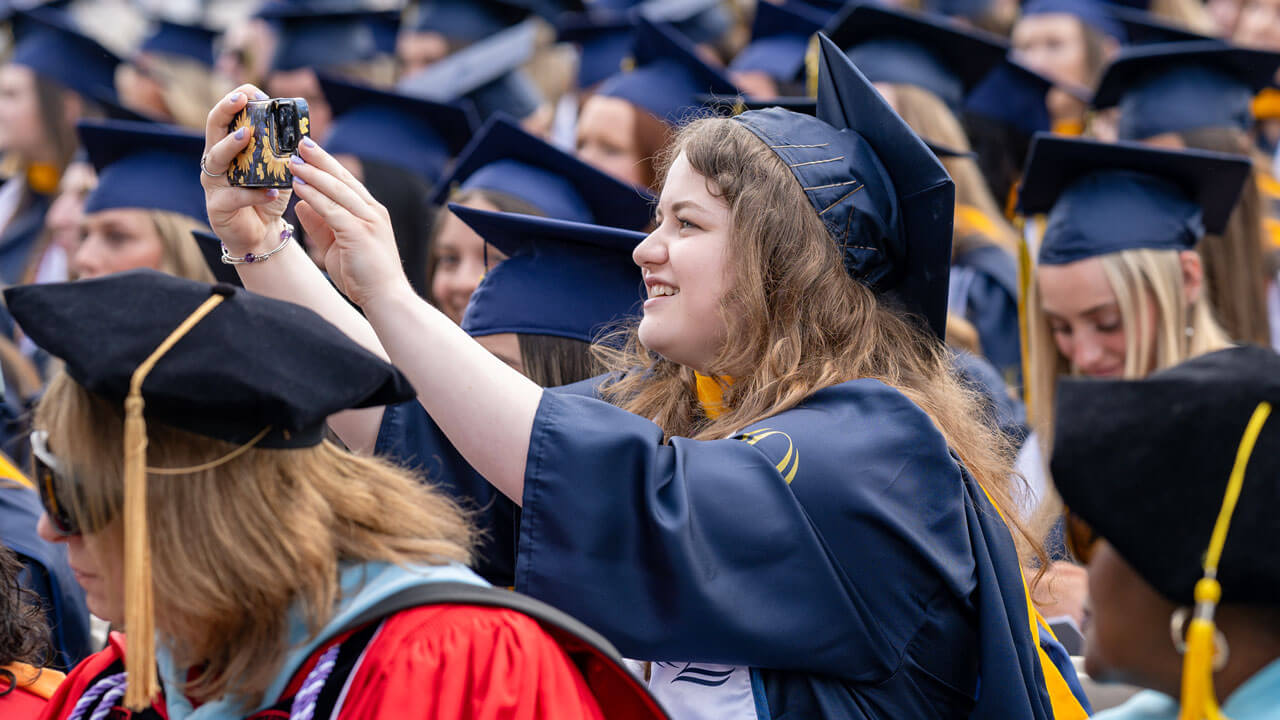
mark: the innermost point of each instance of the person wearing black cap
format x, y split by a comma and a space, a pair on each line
1199, 95
438, 28
772, 64
1170, 485
170, 76
712, 522
258, 569
1068, 41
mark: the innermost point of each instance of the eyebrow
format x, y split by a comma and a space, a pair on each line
1091, 311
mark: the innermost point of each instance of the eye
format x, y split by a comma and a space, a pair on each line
1060, 329
686, 224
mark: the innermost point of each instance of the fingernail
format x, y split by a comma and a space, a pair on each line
235, 98
273, 193
308, 142
259, 95
240, 133
297, 160
299, 180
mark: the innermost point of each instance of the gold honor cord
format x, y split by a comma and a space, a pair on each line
139, 606
1198, 701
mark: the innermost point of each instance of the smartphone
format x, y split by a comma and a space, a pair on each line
278, 125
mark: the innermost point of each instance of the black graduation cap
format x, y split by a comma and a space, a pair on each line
251, 363
1182, 86
144, 165
1093, 13
698, 20
1014, 95
1107, 197
320, 37
190, 41
211, 250
417, 135
504, 158
560, 278
893, 46
883, 196
604, 40
1143, 28
1145, 463
466, 20
50, 44
488, 73
779, 40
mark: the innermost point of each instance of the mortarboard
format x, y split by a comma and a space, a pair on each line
190, 41
604, 39
668, 74
561, 278
1103, 198
1014, 95
701, 21
317, 37
504, 158
1143, 28
466, 20
487, 73
1092, 13
1145, 463
418, 135
211, 250
885, 199
779, 40
1182, 86
144, 165
49, 43
892, 46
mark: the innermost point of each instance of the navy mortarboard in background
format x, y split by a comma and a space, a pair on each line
667, 76
561, 278
49, 43
420, 136
884, 197
318, 38
1103, 198
465, 20
1093, 13
211, 250
1143, 28
1145, 464
972, 10
1174, 87
1014, 96
253, 364
488, 73
701, 21
190, 41
780, 37
893, 46
604, 39
144, 166
503, 158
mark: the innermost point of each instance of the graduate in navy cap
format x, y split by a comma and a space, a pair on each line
1118, 289
438, 28
1199, 95
170, 76
1068, 41
767, 514
772, 64
146, 202
714, 27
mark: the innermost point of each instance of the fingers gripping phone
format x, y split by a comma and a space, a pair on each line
277, 126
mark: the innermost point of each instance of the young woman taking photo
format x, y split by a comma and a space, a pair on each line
792, 506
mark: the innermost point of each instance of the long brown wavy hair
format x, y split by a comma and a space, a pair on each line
797, 322
237, 546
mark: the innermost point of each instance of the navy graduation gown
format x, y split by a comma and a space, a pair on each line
984, 291
837, 549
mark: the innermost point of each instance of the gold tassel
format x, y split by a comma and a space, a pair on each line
139, 602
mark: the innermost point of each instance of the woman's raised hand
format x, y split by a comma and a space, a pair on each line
350, 228
241, 217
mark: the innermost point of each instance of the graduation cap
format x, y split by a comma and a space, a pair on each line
1092, 13
1181, 86
487, 73
1013, 95
50, 44
698, 20
561, 278
892, 46
885, 199
144, 165
604, 39
1143, 28
779, 40
466, 20
189, 41
318, 37
1145, 463
1103, 198
212, 360
211, 250
417, 135
668, 74
504, 158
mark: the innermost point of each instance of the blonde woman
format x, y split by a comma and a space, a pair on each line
793, 505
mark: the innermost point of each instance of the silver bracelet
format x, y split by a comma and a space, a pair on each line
285, 236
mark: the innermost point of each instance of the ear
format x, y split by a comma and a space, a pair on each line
1192, 275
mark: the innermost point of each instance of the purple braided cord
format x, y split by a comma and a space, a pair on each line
304, 703
102, 687
109, 700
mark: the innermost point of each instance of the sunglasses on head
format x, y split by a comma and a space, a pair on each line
49, 479
1080, 537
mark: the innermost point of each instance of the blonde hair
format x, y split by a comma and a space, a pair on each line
1146, 283
189, 88
237, 546
182, 256
934, 121
1189, 14
796, 321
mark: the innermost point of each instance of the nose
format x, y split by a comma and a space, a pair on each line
44, 528
86, 262
651, 251
1087, 352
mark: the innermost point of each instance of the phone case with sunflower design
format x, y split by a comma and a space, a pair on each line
277, 126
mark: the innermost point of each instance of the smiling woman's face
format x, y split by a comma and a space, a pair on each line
685, 266
1084, 316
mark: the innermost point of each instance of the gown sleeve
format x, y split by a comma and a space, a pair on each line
450, 662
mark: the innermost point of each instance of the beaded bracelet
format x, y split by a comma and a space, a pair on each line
285, 236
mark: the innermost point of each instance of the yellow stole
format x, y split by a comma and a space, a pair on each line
711, 393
